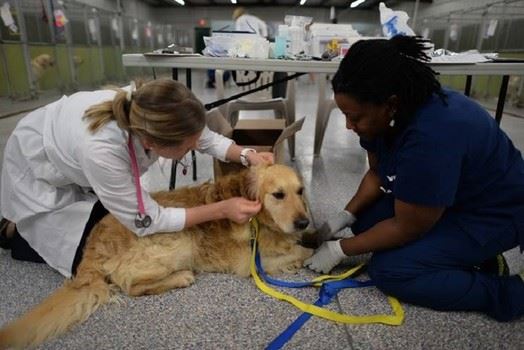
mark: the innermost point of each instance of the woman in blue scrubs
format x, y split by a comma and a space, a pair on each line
444, 193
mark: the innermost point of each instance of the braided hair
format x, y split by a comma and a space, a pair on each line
374, 70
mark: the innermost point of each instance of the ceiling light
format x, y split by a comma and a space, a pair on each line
356, 3
233, 1
302, 2
181, 2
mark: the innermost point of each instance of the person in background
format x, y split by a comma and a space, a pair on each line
248, 23
444, 193
68, 164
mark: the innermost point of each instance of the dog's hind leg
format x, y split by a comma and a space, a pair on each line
151, 272
178, 279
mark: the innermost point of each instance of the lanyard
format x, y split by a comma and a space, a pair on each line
142, 220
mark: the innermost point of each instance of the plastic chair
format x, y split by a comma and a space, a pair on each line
260, 100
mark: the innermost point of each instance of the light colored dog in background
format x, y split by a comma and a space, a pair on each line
40, 64
115, 258
44, 62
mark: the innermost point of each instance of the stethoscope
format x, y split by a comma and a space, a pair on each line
142, 220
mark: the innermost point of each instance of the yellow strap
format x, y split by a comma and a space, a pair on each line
394, 319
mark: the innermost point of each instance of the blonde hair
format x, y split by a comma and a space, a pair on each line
239, 11
162, 111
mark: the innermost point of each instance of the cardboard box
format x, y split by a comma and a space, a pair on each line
264, 135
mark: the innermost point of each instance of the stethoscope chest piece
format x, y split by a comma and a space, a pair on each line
142, 221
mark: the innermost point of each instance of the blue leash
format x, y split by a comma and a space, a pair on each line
327, 292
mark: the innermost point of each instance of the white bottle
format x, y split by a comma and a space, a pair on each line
296, 38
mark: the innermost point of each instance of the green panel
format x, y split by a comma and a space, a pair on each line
455, 82
4, 86
114, 71
89, 71
17, 71
64, 67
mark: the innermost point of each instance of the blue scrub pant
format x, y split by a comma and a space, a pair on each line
437, 270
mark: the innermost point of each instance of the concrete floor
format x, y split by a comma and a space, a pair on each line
226, 312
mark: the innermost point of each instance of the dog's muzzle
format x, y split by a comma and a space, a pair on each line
301, 224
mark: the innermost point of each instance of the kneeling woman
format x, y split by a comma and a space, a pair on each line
444, 192
69, 163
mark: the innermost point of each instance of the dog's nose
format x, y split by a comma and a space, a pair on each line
301, 224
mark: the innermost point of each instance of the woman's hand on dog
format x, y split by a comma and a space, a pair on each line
256, 158
239, 209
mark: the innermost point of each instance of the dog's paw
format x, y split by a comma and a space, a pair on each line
306, 253
292, 267
185, 278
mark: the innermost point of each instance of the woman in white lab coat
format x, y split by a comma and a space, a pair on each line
69, 163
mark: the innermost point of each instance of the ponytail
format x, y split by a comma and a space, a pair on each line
163, 111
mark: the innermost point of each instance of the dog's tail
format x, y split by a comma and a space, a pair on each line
74, 302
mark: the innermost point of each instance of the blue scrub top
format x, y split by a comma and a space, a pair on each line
456, 156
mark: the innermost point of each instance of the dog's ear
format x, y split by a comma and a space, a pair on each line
252, 182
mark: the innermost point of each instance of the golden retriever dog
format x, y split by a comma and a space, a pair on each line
115, 258
40, 64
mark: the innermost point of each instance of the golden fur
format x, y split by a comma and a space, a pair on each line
40, 64
115, 258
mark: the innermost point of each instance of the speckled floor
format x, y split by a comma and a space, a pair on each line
227, 312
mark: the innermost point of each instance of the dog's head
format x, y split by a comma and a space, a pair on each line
44, 61
280, 190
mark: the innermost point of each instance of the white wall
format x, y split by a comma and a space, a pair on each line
186, 17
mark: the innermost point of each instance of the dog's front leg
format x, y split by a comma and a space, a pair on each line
287, 262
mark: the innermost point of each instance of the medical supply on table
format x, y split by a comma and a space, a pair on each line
394, 22
236, 44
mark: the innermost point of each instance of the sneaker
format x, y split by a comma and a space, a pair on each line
496, 266
6, 233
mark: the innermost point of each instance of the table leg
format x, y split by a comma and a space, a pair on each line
172, 179
193, 154
467, 89
502, 98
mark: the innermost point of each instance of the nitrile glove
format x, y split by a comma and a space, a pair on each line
330, 229
326, 257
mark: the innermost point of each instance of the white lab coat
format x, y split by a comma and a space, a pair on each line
55, 170
250, 23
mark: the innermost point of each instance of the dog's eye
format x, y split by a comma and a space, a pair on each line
279, 195
300, 191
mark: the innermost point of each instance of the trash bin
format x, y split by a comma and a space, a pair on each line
200, 33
